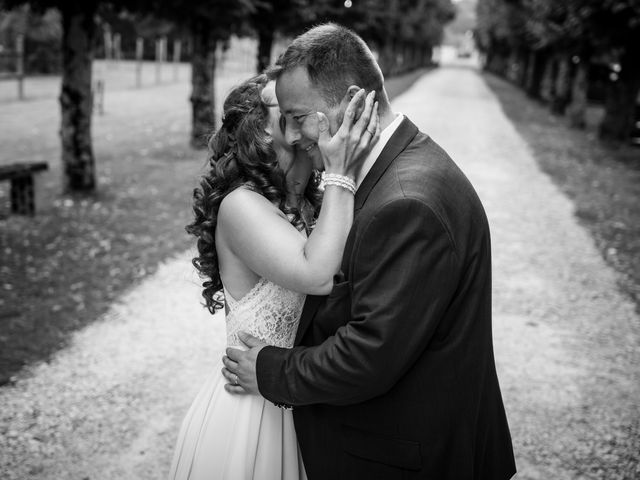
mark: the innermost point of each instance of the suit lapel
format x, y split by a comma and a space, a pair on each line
397, 143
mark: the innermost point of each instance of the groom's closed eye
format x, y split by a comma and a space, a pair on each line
283, 124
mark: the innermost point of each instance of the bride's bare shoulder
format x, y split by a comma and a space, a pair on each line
244, 204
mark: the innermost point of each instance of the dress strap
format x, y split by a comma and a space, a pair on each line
232, 303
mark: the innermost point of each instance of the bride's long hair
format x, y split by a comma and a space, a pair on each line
240, 153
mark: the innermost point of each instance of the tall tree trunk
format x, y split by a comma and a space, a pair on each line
395, 62
411, 61
528, 74
406, 57
537, 67
413, 64
620, 102
548, 84
562, 87
265, 43
513, 66
386, 59
489, 60
520, 58
523, 63
498, 63
427, 55
203, 63
577, 109
78, 33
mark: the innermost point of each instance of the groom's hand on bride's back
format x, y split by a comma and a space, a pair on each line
240, 366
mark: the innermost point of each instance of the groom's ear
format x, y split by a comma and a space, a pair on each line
351, 91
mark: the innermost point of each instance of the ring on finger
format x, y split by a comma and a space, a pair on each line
236, 381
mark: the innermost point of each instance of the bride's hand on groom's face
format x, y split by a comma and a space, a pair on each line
240, 366
344, 152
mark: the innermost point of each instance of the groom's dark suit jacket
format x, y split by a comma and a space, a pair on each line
393, 374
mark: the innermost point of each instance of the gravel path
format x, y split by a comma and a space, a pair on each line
108, 407
567, 343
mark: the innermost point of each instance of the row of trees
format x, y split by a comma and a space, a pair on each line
37, 34
404, 32
551, 48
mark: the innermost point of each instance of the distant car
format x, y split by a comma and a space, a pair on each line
464, 52
466, 45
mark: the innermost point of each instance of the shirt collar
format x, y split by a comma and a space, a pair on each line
385, 135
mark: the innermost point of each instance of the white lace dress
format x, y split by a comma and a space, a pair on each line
238, 437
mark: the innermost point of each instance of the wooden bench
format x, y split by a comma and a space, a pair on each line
22, 192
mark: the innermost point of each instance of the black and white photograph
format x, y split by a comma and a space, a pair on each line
320, 240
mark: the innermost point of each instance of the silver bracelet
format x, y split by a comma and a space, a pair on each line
340, 181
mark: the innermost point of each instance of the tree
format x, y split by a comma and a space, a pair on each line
465, 21
403, 32
209, 23
615, 26
42, 34
279, 16
502, 35
78, 35
562, 38
581, 29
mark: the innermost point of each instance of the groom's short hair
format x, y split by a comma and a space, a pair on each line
335, 58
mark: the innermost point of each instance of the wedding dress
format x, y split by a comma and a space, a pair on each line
242, 437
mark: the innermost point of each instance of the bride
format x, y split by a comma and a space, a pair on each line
264, 242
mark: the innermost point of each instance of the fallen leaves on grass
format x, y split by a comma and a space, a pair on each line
62, 268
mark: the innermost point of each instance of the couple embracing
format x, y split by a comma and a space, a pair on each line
358, 307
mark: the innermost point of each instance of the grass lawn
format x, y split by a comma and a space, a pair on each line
61, 269
602, 180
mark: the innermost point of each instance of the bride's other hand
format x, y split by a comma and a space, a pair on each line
344, 152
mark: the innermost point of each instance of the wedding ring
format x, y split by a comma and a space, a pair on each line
236, 381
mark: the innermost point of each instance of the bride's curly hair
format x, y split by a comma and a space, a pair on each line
240, 153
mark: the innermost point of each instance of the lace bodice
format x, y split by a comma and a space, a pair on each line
268, 312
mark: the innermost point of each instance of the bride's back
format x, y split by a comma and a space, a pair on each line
254, 304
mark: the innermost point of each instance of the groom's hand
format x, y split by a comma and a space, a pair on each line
240, 366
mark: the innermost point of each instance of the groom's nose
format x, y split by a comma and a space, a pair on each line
292, 134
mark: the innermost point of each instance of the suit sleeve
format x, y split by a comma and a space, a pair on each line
404, 274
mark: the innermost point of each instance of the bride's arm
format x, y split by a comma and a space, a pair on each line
259, 234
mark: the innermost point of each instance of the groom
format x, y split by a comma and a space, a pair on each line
393, 374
